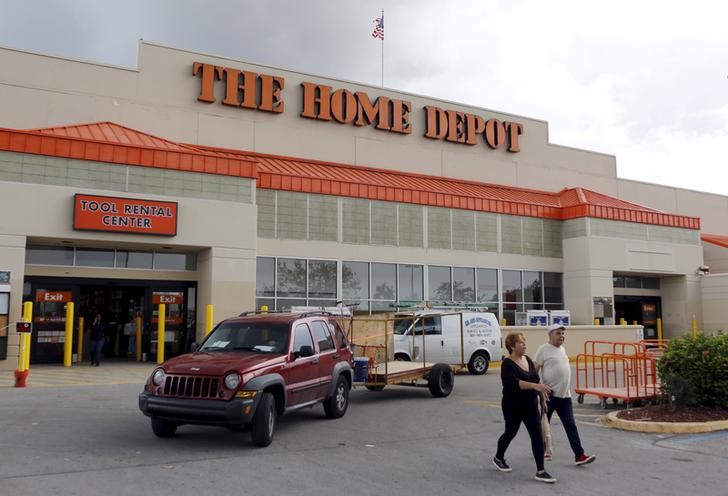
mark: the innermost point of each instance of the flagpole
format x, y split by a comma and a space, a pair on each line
382, 52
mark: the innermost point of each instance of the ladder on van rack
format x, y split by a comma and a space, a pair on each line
445, 306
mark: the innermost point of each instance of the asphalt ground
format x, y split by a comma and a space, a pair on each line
81, 433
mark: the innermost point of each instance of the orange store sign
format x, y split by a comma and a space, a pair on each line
128, 215
168, 298
250, 90
43, 296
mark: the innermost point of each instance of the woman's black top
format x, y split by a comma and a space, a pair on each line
511, 373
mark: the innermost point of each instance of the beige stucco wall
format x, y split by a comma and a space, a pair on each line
714, 297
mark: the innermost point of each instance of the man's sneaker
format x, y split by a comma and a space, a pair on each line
545, 477
583, 459
547, 457
501, 465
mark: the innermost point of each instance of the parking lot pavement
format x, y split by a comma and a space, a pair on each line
92, 439
109, 372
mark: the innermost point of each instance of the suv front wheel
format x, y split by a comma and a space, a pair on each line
336, 405
162, 428
264, 421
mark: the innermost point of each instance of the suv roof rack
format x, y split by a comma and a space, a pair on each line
258, 312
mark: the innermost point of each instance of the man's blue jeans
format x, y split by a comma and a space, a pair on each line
564, 408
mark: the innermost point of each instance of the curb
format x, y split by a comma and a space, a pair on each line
666, 427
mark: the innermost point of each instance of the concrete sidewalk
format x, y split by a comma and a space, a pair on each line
110, 372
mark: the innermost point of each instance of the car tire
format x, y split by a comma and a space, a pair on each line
162, 428
441, 380
264, 421
336, 405
401, 357
478, 364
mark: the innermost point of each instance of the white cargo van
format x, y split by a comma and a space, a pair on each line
471, 338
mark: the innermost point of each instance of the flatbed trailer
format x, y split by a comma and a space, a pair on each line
382, 370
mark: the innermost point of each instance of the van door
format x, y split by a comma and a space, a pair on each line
434, 343
454, 341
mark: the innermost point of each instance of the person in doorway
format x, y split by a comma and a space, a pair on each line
97, 338
553, 363
130, 332
521, 389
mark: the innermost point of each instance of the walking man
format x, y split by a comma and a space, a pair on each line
553, 363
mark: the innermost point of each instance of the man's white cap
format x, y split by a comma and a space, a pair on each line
553, 327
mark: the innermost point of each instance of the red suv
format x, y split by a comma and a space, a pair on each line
250, 369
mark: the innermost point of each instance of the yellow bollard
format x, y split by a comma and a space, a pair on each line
27, 317
503, 322
634, 322
208, 318
79, 345
695, 328
659, 329
264, 309
622, 322
161, 318
596, 322
138, 339
68, 344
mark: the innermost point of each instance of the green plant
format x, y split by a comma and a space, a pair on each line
694, 370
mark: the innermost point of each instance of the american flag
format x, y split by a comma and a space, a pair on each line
379, 28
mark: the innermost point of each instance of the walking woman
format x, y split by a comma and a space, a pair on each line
521, 390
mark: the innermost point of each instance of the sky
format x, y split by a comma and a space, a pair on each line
643, 80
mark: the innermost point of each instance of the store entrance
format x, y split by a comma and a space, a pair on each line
118, 306
118, 302
644, 310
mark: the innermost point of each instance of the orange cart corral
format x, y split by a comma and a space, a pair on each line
619, 371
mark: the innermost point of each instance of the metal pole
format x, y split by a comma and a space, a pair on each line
161, 317
208, 318
68, 344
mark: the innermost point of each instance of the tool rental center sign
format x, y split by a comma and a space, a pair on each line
128, 215
250, 90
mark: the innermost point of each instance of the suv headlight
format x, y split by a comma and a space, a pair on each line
158, 377
232, 380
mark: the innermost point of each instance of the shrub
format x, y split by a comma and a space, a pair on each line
694, 370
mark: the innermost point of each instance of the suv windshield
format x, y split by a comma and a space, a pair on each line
401, 326
260, 337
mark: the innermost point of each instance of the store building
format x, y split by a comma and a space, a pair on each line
196, 179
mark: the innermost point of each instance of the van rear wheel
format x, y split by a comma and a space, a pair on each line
478, 364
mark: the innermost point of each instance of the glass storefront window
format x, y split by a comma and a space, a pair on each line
632, 282
49, 255
410, 283
651, 283
487, 285
384, 281
265, 272
512, 289
292, 278
553, 287
440, 285
94, 258
174, 261
531, 286
355, 281
322, 279
463, 284
134, 260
